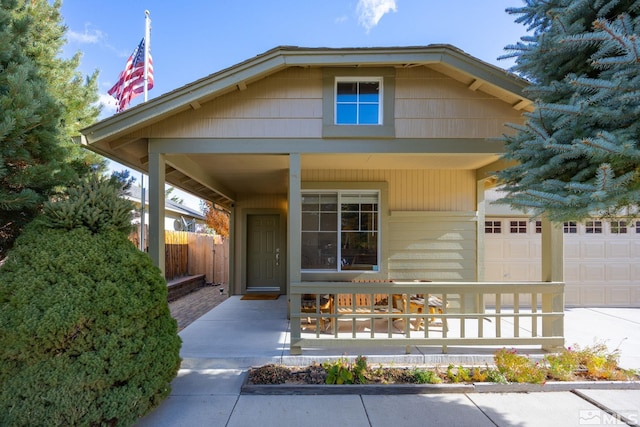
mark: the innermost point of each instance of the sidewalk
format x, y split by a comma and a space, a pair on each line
218, 348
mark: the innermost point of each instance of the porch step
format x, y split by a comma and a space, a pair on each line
183, 285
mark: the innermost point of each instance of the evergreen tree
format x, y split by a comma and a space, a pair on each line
578, 152
86, 335
44, 102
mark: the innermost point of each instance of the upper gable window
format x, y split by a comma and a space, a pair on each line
358, 101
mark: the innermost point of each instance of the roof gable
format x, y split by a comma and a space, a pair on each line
451, 61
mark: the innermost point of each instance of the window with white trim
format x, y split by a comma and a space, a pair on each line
618, 227
570, 227
340, 230
538, 227
358, 101
518, 227
593, 227
493, 227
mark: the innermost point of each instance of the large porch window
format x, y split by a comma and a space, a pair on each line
340, 231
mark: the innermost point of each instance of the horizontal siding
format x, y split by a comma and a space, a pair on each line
288, 104
429, 246
262, 201
432, 105
412, 190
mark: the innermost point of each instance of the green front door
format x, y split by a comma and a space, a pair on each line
264, 255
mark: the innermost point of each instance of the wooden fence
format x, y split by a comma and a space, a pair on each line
190, 254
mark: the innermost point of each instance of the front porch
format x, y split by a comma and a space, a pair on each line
239, 334
468, 314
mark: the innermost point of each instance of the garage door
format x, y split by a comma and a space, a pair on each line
601, 258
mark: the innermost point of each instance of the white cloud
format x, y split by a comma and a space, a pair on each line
371, 11
88, 36
108, 104
341, 19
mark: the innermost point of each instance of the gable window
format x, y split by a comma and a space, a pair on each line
358, 101
340, 231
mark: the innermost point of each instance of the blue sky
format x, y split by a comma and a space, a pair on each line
192, 39
195, 38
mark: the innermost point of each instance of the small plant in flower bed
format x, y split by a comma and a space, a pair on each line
591, 363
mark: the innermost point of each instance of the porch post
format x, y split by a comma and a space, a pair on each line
294, 239
552, 251
552, 271
156, 209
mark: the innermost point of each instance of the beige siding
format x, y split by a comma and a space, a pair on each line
288, 104
262, 201
412, 190
432, 105
432, 246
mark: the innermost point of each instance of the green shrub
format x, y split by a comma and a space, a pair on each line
86, 336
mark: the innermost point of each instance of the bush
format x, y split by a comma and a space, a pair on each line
86, 336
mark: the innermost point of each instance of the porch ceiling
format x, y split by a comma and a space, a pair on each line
268, 173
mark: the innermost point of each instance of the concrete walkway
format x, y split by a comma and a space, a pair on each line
220, 346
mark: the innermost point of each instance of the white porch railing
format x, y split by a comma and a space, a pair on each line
471, 314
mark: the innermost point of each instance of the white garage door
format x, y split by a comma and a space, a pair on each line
601, 258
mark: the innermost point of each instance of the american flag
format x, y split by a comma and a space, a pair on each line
131, 81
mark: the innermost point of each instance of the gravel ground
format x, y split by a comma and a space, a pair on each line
193, 305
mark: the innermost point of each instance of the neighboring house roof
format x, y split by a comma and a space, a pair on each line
135, 194
123, 136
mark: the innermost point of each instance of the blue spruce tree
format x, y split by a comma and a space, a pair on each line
577, 154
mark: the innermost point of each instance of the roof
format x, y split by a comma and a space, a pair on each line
444, 57
135, 194
109, 136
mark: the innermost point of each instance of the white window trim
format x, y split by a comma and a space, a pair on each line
339, 269
358, 79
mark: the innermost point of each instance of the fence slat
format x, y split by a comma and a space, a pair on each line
192, 254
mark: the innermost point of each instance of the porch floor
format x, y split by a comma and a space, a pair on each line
243, 333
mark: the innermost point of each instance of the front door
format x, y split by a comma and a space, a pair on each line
264, 254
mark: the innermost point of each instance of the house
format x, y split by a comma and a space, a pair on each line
177, 217
600, 255
336, 164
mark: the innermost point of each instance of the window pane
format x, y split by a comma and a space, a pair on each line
346, 114
369, 221
310, 221
319, 251
329, 221
360, 251
347, 92
310, 202
329, 202
368, 114
369, 92
350, 221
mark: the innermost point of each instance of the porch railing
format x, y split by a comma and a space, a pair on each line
468, 314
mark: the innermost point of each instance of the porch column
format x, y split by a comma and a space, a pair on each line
294, 242
294, 221
552, 251
552, 271
156, 209
480, 249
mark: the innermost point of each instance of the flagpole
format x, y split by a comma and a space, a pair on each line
147, 43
